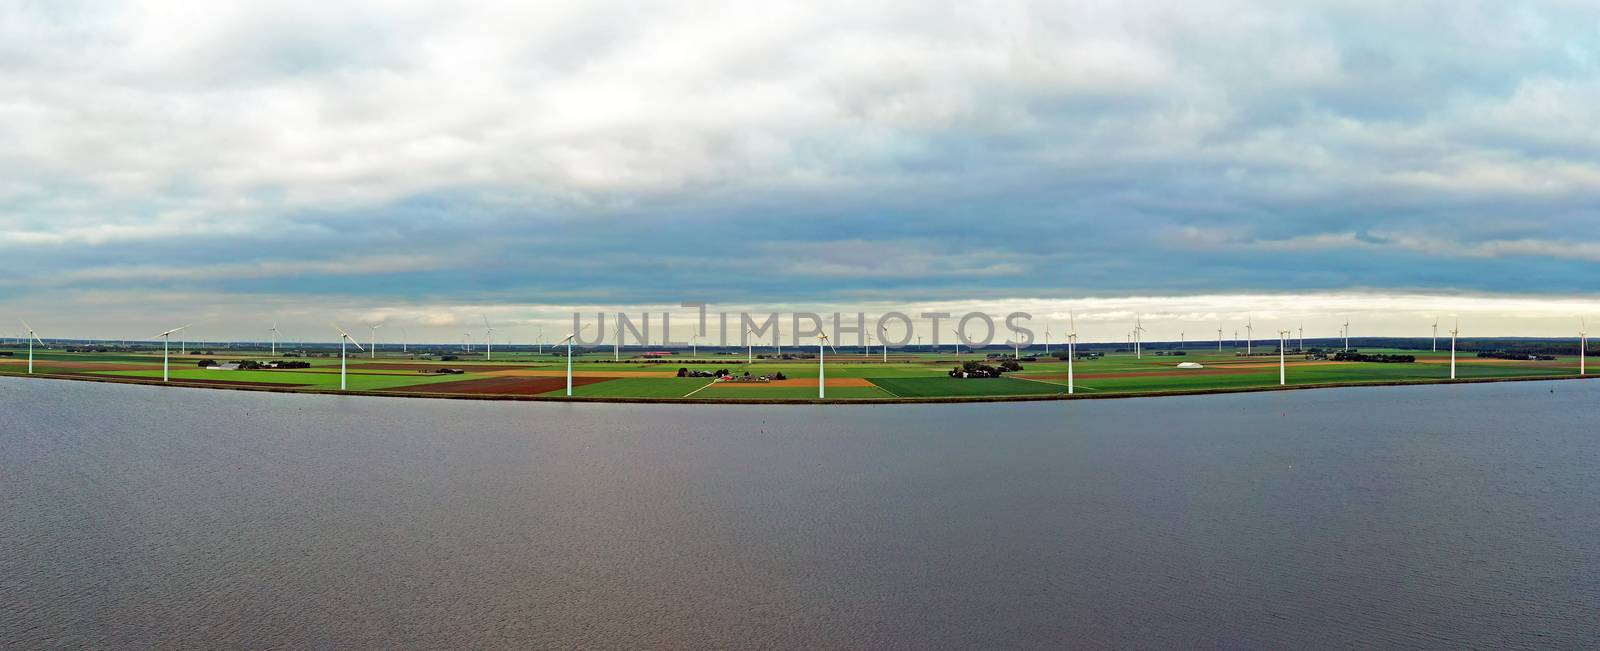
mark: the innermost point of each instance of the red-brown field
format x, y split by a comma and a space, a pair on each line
418, 366
514, 386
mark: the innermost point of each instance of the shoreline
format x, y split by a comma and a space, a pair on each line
1063, 396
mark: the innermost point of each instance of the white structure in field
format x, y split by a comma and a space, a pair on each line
1190, 365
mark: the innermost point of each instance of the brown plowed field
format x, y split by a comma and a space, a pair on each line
505, 386
562, 373
421, 365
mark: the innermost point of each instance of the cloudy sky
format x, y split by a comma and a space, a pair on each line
233, 163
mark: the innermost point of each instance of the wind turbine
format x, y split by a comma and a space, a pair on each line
32, 338
541, 340
344, 337
1453, 332
1283, 342
822, 381
1583, 345
1347, 335
694, 346
1249, 335
750, 347
616, 346
958, 342
1138, 338
568, 342
166, 344
488, 338
883, 339
1072, 348
274, 338
1047, 338
1436, 334
405, 338
374, 352
1219, 340
1302, 338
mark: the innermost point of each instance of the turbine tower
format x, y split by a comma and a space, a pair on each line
488, 338
1249, 335
1436, 334
1347, 335
1453, 332
1219, 340
568, 342
1072, 348
166, 345
1138, 338
822, 382
32, 338
1283, 342
343, 338
371, 354
1583, 345
274, 338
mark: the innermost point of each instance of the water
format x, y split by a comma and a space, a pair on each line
1427, 517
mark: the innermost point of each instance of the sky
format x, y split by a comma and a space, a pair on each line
428, 165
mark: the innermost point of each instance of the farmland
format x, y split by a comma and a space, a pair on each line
904, 376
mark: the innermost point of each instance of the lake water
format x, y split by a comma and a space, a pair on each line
1427, 517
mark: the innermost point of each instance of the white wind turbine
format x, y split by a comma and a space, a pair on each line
750, 347
274, 338
1347, 335
1302, 346
541, 340
1138, 338
1453, 332
568, 341
488, 338
1047, 338
616, 346
883, 339
405, 339
32, 338
343, 338
1219, 340
1072, 348
1583, 345
958, 342
1249, 335
1436, 334
822, 380
371, 354
166, 345
1283, 342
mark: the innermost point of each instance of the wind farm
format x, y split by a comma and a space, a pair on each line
570, 369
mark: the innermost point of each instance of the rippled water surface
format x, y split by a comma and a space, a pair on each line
1430, 517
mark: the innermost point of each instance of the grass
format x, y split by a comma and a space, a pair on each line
944, 387
789, 393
